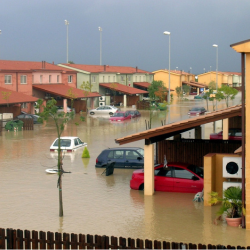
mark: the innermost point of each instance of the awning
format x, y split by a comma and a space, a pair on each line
163, 132
14, 97
195, 84
123, 88
64, 91
142, 84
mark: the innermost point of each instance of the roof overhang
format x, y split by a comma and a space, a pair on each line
242, 47
64, 91
123, 88
195, 84
14, 97
164, 132
142, 84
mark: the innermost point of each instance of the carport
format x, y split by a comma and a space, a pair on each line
126, 90
160, 134
63, 93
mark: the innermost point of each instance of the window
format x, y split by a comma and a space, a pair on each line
118, 154
113, 78
76, 142
58, 78
131, 155
129, 78
122, 78
103, 78
8, 79
70, 79
183, 174
136, 78
24, 105
23, 79
41, 79
50, 78
163, 172
93, 79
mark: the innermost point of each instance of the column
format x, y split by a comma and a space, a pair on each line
65, 105
225, 129
149, 169
125, 101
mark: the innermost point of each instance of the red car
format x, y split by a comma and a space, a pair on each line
197, 111
176, 177
233, 134
120, 116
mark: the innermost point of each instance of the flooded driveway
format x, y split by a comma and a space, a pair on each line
94, 203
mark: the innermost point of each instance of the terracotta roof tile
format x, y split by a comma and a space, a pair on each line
63, 90
15, 97
123, 88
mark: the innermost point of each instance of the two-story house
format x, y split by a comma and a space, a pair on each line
114, 83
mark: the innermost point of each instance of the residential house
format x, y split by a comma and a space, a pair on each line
177, 79
125, 84
233, 79
41, 80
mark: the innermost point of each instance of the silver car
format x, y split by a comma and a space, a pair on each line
104, 110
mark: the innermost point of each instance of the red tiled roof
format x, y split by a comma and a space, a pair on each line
142, 84
63, 90
179, 72
195, 84
123, 88
15, 97
166, 131
29, 66
106, 68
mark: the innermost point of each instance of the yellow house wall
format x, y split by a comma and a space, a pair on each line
209, 77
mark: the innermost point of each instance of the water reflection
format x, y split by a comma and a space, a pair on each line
95, 203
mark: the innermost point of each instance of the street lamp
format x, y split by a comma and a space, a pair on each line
216, 46
168, 33
100, 29
191, 70
67, 24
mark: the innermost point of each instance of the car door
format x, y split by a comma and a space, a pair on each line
118, 157
164, 180
133, 159
185, 181
99, 110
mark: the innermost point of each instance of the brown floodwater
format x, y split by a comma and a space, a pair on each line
92, 202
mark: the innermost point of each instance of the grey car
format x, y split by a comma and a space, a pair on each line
104, 110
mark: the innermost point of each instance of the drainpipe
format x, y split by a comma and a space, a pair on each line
243, 133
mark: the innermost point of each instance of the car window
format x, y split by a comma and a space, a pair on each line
64, 143
141, 151
131, 155
100, 108
118, 154
163, 172
80, 142
197, 170
76, 142
111, 155
182, 173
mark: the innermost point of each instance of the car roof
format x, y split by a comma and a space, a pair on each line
123, 148
68, 137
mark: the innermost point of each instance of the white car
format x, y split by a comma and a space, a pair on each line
104, 110
60, 109
68, 144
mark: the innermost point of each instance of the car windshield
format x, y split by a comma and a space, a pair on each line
64, 143
195, 109
140, 151
196, 170
118, 115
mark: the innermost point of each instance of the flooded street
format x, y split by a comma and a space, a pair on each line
92, 202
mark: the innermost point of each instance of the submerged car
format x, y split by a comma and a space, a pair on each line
68, 144
175, 177
60, 109
233, 134
28, 116
200, 96
104, 110
196, 111
120, 116
124, 157
134, 113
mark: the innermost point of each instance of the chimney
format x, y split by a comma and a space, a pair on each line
136, 69
104, 68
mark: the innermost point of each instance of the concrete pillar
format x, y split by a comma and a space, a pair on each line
197, 132
225, 129
149, 169
91, 103
198, 90
65, 105
125, 101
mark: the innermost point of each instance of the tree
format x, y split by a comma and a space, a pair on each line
6, 96
207, 95
60, 120
87, 88
179, 92
71, 62
154, 87
161, 94
227, 93
186, 89
113, 87
72, 96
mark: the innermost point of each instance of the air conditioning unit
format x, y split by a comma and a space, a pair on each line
101, 104
228, 184
102, 99
232, 167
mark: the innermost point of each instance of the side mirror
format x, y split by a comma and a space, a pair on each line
195, 178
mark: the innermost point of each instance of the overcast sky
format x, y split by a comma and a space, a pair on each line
34, 30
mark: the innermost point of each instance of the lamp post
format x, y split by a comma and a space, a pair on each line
216, 46
67, 24
191, 70
168, 33
100, 29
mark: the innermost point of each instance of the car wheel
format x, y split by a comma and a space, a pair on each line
141, 186
110, 113
92, 113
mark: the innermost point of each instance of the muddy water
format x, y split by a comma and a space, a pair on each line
94, 203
